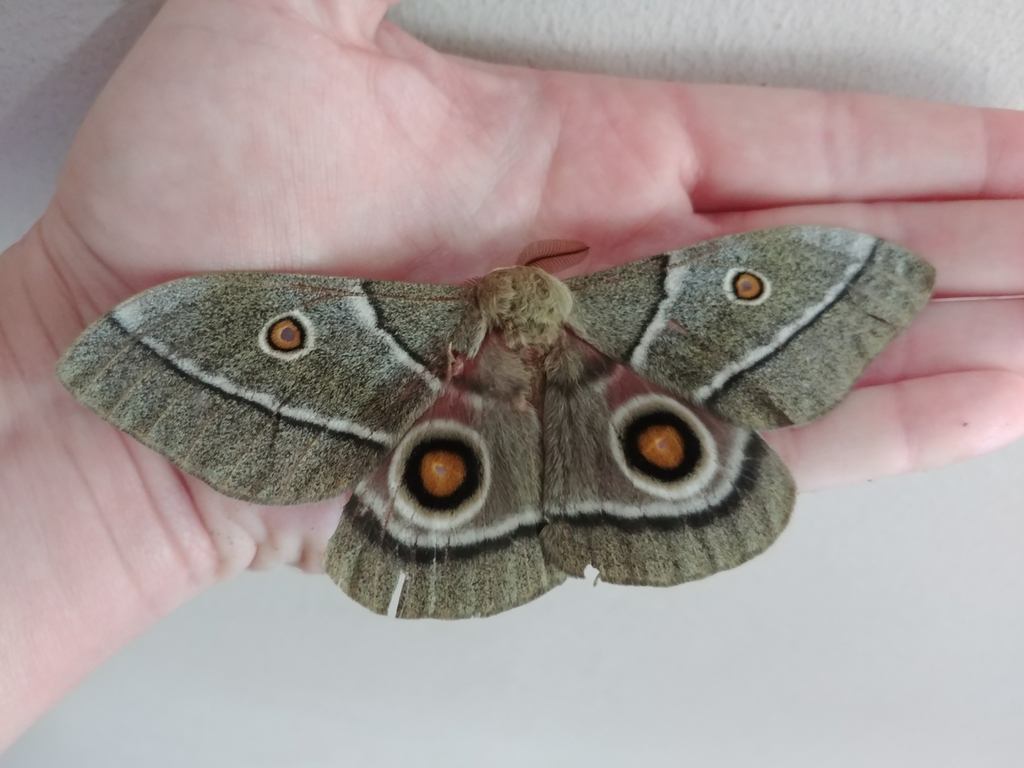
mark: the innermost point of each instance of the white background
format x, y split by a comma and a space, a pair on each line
884, 629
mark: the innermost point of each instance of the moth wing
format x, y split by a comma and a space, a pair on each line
764, 329
447, 526
647, 488
193, 369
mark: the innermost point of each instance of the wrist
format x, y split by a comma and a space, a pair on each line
89, 553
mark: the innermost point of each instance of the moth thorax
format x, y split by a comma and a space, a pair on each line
526, 304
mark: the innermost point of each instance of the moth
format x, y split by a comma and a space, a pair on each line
503, 435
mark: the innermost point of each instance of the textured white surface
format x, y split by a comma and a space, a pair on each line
883, 629
946, 50
55, 57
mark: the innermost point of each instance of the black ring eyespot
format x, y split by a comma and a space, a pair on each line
442, 473
662, 446
287, 336
745, 286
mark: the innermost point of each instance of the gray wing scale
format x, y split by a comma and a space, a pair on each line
647, 533
393, 555
180, 367
835, 299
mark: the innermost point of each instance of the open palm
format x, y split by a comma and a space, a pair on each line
313, 136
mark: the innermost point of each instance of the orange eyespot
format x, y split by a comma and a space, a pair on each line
747, 286
658, 442
442, 472
662, 446
285, 335
440, 468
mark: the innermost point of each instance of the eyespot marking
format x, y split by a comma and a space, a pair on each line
744, 286
662, 447
288, 336
285, 335
440, 474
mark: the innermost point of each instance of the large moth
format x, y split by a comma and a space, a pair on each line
503, 435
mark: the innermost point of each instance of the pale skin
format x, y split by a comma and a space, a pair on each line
313, 136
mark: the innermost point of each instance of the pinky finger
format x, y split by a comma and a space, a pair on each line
904, 427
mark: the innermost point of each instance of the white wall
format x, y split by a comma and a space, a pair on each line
885, 628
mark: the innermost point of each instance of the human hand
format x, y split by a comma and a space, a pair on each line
315, 137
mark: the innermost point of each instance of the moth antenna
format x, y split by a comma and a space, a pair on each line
553, 255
